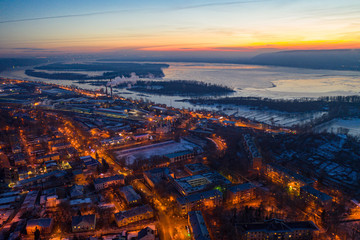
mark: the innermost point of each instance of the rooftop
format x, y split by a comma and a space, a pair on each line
80, 201
7, 200
109, 179
241, 187
89, 161
129, 194
88, 219
153, 171
200, 182
251, 146
198, 226
196, 168
178, 154
133, 212
291, 173
56, 173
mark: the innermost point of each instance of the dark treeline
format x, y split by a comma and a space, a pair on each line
123, 69
112, 70
335, 103
56, 76
180, 87
8, 63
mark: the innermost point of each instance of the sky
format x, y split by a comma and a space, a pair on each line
45, 27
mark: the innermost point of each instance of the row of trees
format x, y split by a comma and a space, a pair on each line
333, 104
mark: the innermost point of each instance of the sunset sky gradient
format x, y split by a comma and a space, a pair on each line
50, 27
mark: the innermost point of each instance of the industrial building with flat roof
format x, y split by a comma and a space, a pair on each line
196, 168
180, 156
199, 182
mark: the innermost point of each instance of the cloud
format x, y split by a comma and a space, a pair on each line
219, 4
30, 49
35, 50
59, 16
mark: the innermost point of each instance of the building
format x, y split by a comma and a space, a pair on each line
76, 191
8, 173
130, 196
240, 193
41, 181
10, 200
82, 203
60, 146
180, 156
254, 154
51, 165
51, 201
19, 159
102, 183
198, 226
16, 149
286, 178
155, 175
48, 157
90, 163
199, 182
112, 141
110, 112
141, 137
83, 223
311, 194
134, 215
44, 225
79, 176
196, 168
30, 200
206, 199
277, 229
146, 234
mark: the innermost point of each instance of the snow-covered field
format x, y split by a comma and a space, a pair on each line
275, 118
340, 125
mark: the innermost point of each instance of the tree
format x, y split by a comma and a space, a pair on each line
105, 165
37, 234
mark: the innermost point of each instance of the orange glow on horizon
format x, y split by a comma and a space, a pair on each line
113, 46
304, 45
